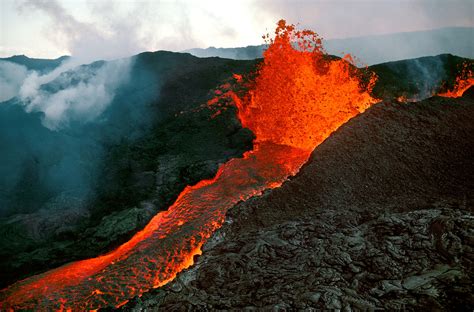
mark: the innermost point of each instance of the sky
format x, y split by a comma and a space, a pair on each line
106, 29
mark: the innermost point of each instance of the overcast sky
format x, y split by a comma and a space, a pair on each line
109, 29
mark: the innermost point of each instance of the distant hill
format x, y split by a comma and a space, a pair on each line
240, 53
40, 65
376, 49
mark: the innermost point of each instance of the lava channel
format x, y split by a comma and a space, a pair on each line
298, 98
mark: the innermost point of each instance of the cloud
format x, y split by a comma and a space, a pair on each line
353, 18
117, 37
11, 79
110, 29
74, 93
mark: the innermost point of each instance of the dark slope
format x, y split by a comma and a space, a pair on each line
152, 141
419, 78
138, 158
380, 217
413, 79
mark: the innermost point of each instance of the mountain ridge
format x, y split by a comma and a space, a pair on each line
375, 49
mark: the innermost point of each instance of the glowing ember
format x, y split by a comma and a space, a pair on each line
298, 98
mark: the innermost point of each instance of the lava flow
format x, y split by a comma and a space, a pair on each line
299, 96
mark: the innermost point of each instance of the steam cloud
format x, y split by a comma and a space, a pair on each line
59, 157
82, 101
50, 153
12, 77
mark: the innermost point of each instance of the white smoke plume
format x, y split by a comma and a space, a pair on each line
86, 100
12, 77
87, 42
80, 94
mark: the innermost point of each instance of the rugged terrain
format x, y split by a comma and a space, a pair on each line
155, 138
152, 140
381, 217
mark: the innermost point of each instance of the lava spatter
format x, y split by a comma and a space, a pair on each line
298, 98
463, 81
461, 85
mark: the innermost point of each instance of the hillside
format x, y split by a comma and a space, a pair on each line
81, 189
420, 78
379, 218
40, 65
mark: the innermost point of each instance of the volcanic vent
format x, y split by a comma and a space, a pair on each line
298, 98
463, 81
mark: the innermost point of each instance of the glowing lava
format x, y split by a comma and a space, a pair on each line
463, 82
298, 98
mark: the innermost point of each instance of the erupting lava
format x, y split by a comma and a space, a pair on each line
298, 98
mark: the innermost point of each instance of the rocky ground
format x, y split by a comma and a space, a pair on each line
141, 171
381, 217
372, 170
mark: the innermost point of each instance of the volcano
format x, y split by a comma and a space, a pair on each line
293, 102
378, 218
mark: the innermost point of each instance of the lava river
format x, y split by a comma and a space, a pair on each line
298, 97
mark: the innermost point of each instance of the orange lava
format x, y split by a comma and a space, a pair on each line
299, 96
463, 82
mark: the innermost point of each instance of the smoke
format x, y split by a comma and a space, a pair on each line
54, 134
78, 95
40, 168
55, 131
68, 93
12, 77
429, 76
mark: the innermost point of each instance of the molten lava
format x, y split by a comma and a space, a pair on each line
299, 96
463, 82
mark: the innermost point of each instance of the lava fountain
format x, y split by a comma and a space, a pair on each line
298, 97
